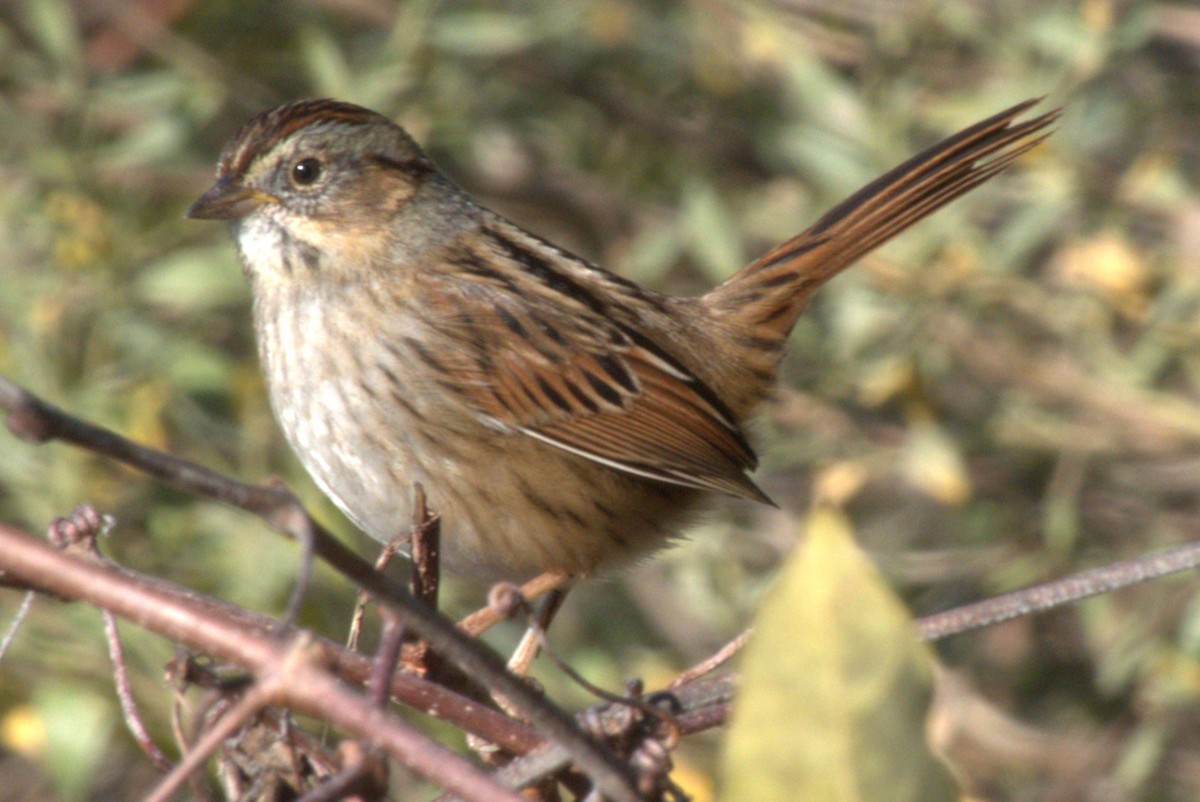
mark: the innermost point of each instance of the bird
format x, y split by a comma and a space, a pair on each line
561, 418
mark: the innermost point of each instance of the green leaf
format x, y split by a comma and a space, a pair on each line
836, 687
53, 26
193, 279
483, 33
326, 63
155, 140
651, 254
713, 237
78, 726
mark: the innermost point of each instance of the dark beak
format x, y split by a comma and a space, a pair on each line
227, 199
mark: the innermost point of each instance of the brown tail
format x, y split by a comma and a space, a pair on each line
763, 299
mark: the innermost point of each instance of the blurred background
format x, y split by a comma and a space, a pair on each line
1007, 394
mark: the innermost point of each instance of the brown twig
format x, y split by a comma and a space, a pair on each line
426, 544
199, 790
1027, 601
1049, 595
363, 776
258, 696
713, 662
389, 550
116, 653
32, 418
391, 638
700, 705
487, 617
79, 530
309, 687
424, 573
539, 619
418, 694
426, 550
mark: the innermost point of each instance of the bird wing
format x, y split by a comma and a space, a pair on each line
532, 346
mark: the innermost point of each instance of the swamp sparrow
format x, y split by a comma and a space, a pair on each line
560, 417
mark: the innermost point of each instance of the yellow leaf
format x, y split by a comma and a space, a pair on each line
933, 464
885, 380
1108, 264
691, 778
839, 483
23, 731
146, 405
83, 238
836, 688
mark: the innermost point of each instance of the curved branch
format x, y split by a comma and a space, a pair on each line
34, 419
310, 688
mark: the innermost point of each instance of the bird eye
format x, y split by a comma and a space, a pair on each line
306, 171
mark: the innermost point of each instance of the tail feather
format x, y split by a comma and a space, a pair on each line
764, 298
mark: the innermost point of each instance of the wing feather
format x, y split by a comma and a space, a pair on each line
556, 368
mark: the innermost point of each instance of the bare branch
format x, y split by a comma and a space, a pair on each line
414, 692
34, 419
309, 687
700, 705
704, 703
1049, 595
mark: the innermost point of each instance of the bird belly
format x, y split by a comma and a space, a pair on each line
368, 419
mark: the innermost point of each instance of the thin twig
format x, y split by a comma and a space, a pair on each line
1046, 596
360, 778
80, 531
539, 620
1027, 601
487, 617
390, 550
200, 791
419, 694
133, 720
633, 700
391, 638
11, 632
715, 661
426, 549
305, 538
258, 696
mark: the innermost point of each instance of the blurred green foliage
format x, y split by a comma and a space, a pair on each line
1004, 395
